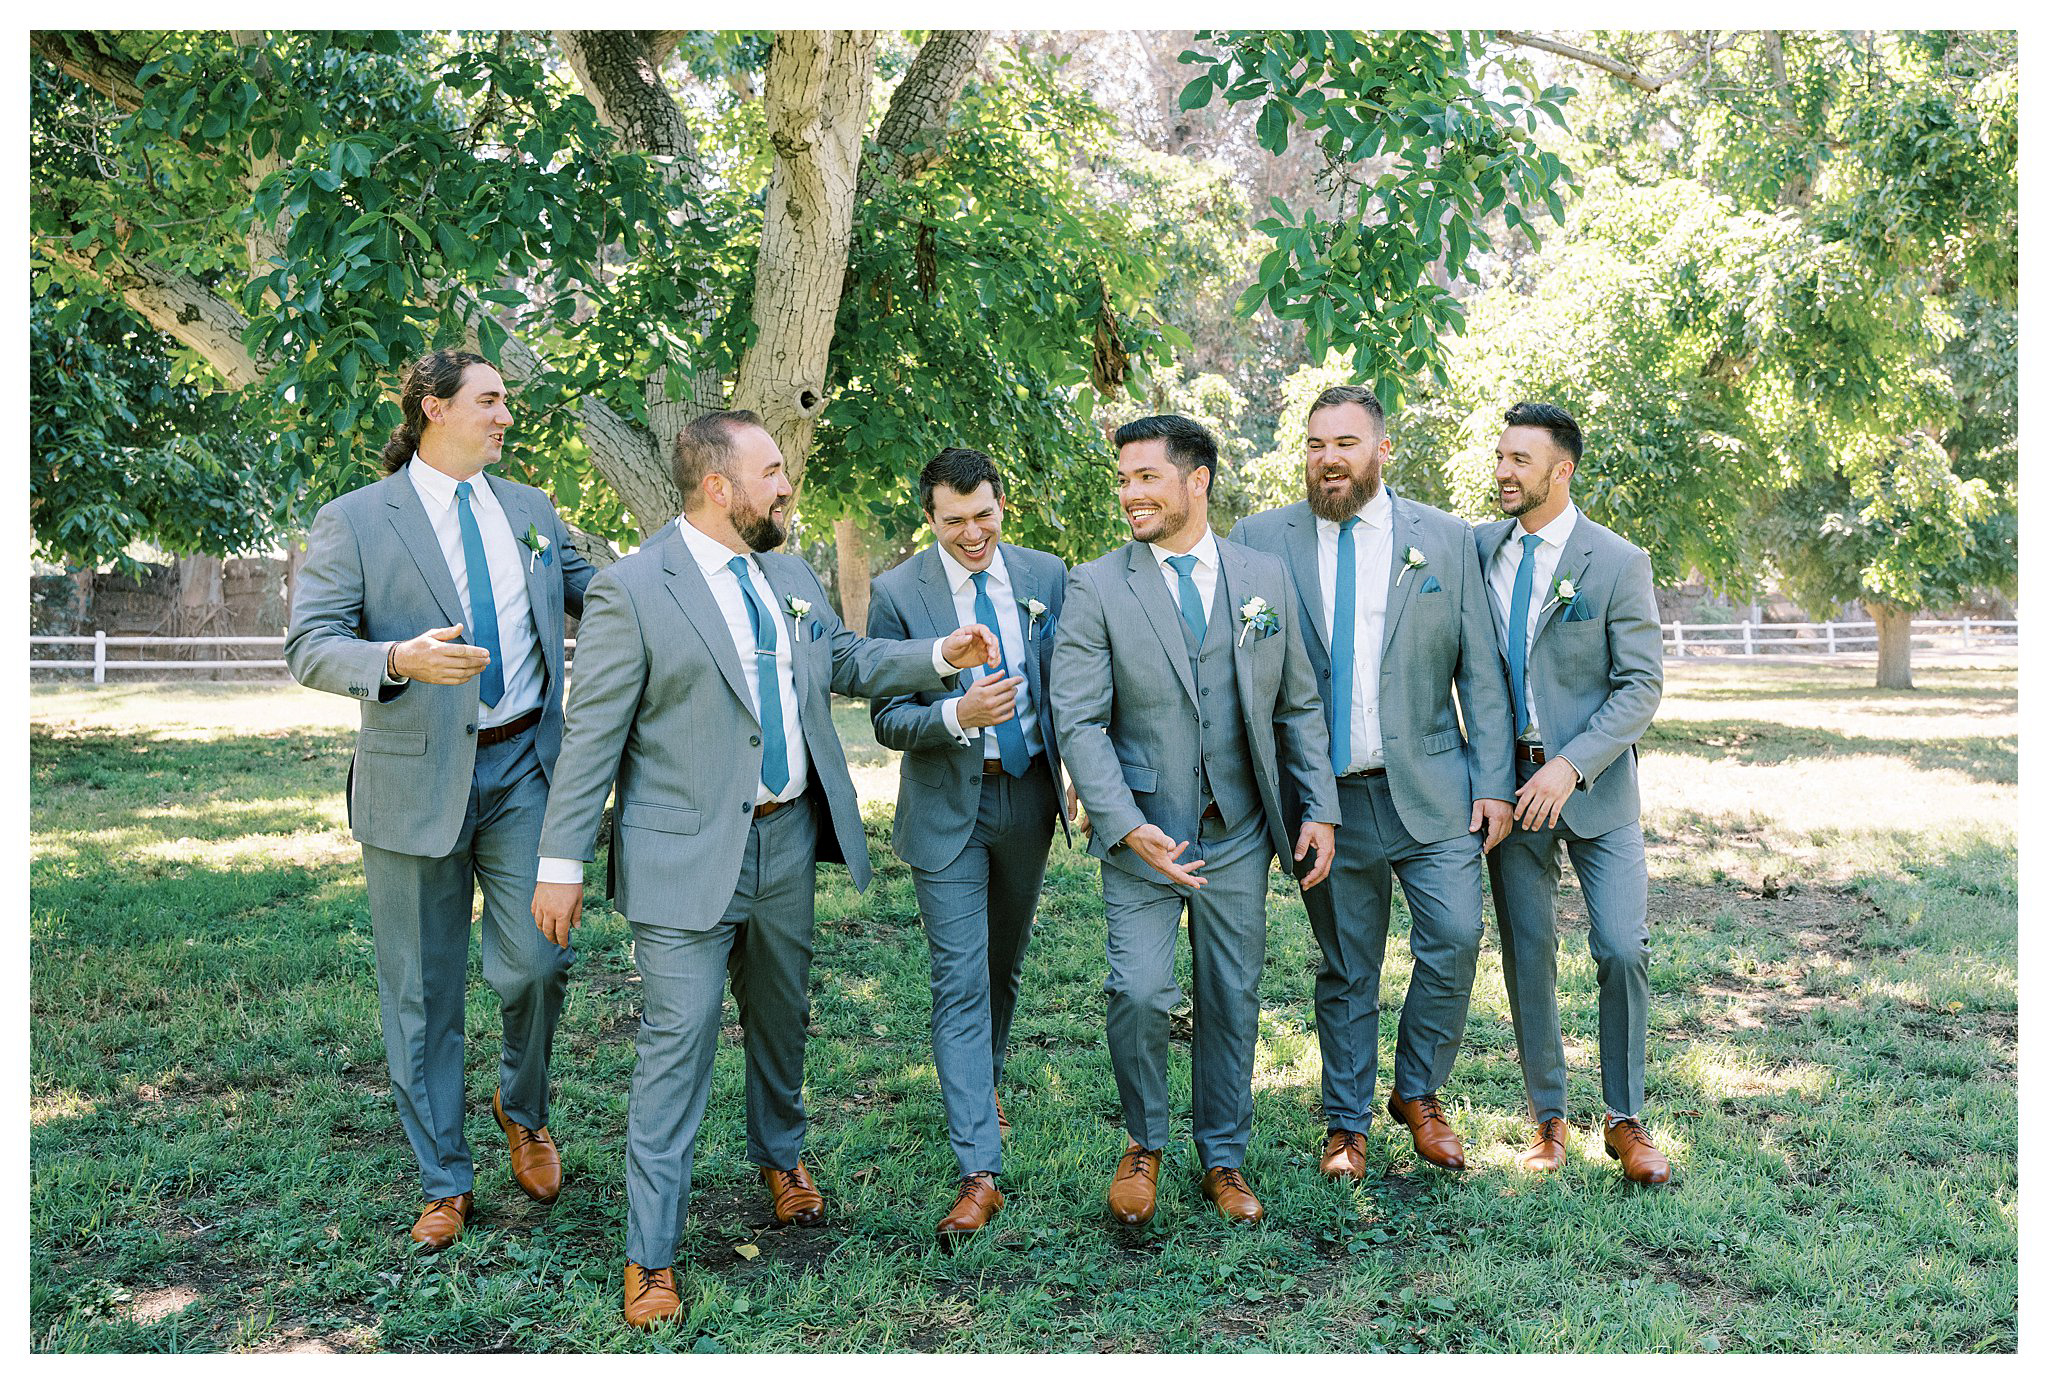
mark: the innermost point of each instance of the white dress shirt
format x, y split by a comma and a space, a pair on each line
1500, 579
1204, 576
523, 669
1010, 629
1372, 557
712, 557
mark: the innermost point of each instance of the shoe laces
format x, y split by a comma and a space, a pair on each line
1428, 1106
1139, 1159
1230, 1179
1551, 1130
1348, 1140
1629, 1130
975, 1182
522, 1136
453, 1203
651, 1279
797, 1178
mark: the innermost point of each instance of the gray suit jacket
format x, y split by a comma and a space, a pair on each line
373, 576
660, 705
1438, 634
940, 793
1124, 699
1596, 669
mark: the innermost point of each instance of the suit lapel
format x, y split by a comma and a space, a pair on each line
686, 583
416, 533
1234, 587
520, 514
781, 583
938, 597
1142, 575
1305, 561
1399, 589
1024, 590
1572, 563
1490, 540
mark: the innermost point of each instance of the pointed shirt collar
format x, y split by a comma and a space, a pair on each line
1554, 534
709, 554
958, 576
1376, 513
437, 488
1204, 552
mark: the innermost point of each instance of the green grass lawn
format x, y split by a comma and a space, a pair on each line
216, 1164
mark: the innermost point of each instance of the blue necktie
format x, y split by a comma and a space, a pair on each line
483, 605
1009, 735
1343, 648
1518, 630
768, 687
1191, 612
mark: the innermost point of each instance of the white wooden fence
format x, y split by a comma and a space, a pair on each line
1681, 640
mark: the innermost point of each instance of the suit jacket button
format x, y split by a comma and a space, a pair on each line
469, 729
746, 807
755, 741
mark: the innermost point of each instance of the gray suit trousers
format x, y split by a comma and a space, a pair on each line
977, 921
1348, 913
419, 914
1227, 945
763, 943
1616, 881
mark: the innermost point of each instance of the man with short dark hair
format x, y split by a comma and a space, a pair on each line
1186, 709
1394, 610
978, 796
435, 597
1584, 657
705, 665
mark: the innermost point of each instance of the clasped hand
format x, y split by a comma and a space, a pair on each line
435, 657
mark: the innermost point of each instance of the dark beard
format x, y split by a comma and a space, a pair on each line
1338, 508
757, 528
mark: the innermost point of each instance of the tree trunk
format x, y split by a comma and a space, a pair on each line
202, 603
1894, 646
855, 575
294, 559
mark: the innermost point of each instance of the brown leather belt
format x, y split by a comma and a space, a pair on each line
992, 766
1212, 813
770, 808
1527, 753
1366, 773
518, 725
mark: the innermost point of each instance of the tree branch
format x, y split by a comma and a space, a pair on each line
91, 61
913, 130
1615, 67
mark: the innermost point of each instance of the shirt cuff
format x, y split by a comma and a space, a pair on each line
391, 679
945, 669
949, 712
1575, 771
555, 870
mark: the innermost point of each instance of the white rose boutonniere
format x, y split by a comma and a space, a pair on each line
796, 608
1034, 608
1411, 561
1257, 615
536, 546
1562, 592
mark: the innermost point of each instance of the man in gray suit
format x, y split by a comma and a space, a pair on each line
451, 767
1184, 701
1396, 617
705, 665
1584, 656
978, 797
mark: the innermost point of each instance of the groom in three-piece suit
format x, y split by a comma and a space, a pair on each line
1394, 613
1184, 702
978, 797
1584, 658
459, 736
705, 665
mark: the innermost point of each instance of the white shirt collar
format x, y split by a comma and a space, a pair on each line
1204, 551
438, 487
1555, 533
1376, 513
958, 576
711, 555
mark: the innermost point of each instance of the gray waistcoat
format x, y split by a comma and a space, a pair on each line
1226, 755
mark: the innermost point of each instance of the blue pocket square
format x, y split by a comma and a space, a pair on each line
814, 629
1430, 584
1576, 612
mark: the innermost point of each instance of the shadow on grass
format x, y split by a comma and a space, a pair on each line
1986, 758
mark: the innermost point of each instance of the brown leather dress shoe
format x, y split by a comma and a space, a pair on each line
1134, 1191
1435, 1141
1630, 1146
978, 1200
651, 1296
795, 1198
1546, 1154
536, 1162
1002, 1120
1226, 1187
1344, 1154
441, 1223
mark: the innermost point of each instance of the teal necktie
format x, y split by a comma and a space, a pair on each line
1343, 647
483, 605
1009, 735
1191, 612
1518, 630
774, 746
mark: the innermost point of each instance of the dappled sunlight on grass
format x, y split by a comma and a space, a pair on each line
310, 851
1719, 1070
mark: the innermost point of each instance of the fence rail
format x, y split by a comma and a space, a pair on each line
1681, 640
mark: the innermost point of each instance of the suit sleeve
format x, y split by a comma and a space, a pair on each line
864, 667
1483, 690
1301, 738
1635, 661
325, 648
604, 695
902, 722
577, 570
1081, 697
